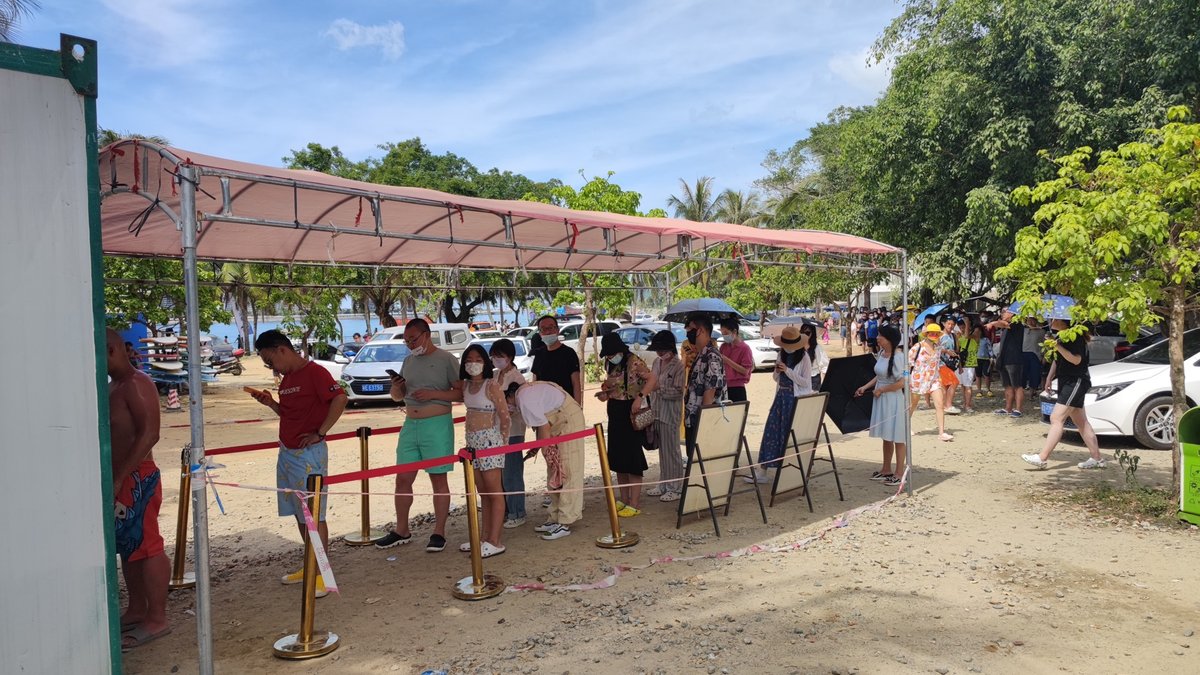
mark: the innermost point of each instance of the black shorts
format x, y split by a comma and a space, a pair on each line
984, 369
1010, 375
1072, 391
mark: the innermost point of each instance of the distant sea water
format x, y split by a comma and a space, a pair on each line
350, 325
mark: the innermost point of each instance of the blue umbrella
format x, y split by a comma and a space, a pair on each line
930, 310
1060, 307
718, 309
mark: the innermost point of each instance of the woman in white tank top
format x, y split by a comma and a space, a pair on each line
487, 427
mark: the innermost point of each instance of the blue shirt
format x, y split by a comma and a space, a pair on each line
872, 328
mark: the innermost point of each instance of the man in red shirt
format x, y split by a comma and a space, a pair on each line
310, 403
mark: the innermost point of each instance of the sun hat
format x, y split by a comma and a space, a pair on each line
789, 339
662, 341
933, 328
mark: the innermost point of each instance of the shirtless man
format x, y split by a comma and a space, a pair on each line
133, 425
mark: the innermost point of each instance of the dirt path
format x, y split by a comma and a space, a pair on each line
968, 575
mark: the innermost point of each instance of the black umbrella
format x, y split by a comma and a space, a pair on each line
716, 308
849, 412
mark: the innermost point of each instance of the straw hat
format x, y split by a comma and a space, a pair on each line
789, 339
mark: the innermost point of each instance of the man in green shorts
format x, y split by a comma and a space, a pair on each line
428, 384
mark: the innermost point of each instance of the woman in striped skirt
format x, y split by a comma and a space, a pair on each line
668, 414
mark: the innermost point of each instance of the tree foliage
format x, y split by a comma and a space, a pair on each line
160, 302
1120, 233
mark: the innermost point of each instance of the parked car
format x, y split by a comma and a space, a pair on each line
452, 337
523, 331
569, 332
476, 326
750, 329
638, 338
764, 350
524, 360
486, 335
1132, 397
1110, 344
367, 375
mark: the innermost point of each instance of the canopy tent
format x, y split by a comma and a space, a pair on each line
159, 201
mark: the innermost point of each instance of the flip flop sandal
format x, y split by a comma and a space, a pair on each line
128, 626
141, 637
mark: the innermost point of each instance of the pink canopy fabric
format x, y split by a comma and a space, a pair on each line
261, 213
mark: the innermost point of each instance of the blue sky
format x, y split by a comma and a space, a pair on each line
655, 90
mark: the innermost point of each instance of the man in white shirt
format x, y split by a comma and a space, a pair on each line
551, 412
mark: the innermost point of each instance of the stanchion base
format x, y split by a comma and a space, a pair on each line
188, 581
292, 648
465, 588
625, 540
357, 539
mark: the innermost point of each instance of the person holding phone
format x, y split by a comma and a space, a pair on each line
310, 403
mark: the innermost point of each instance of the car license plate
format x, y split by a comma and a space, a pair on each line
372, 387
1047, 407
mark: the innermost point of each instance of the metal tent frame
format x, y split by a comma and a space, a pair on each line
213, 200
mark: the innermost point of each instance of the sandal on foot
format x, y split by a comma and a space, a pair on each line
488, 550
945, 437
140, 637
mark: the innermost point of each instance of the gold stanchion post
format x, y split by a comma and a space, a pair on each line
365, 536
478, 586
308, 643
619, 538
179, 578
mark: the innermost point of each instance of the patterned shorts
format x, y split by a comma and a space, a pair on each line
482, 440
292, 469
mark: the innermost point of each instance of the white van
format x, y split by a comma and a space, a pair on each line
569, 333
452, 337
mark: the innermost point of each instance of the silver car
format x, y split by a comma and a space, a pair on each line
366, 375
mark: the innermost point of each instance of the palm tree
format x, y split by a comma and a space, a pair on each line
740, 208
696, 203
10, 12
237, 288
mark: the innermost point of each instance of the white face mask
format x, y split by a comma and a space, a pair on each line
500, 362
474, 368
616, 359
550, 339
418, 351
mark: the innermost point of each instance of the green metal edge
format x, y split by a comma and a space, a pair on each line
95, 236
30, 60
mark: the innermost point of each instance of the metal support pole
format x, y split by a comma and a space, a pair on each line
478, 586
365, 535
187, 176
179, 578
619, 538
908, 484
308, 643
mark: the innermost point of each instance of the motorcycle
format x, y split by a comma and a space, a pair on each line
228, 363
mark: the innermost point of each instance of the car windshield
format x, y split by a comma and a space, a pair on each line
1158, 355
381, 354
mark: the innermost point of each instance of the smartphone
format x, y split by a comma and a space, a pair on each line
391, 372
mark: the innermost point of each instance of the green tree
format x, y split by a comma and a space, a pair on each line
695, 202
11, 12
740, 208
1121, 234
151, 293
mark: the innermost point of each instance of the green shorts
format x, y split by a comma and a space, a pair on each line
428, 438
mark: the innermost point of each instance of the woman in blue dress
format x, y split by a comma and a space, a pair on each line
888, 413
793, 378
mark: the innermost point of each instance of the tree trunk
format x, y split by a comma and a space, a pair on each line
846, 322
1178, 394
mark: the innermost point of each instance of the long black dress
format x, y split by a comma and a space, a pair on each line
625, 453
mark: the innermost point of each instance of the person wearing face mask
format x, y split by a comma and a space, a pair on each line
706, 375
668, 412
487, 427
554, 363
628, 385
739, 362
428, 383
513, 477
793, 378
820, 362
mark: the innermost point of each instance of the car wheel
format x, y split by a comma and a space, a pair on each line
1154, 424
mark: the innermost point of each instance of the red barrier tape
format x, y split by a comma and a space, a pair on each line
188, 425
331, 437
463, 454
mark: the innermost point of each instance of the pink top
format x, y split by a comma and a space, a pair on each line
740, 354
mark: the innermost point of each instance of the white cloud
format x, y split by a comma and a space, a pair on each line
860, 70
389, 37
162, 34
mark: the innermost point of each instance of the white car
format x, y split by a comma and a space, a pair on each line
366, 375
764, 350
524, 360
569, 334
523, 331
1132, 397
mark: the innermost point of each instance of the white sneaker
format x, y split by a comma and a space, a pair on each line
757, 478
512, 523
465, 547
655, 491
1035, 460
952, 411
1090, 463
545, 527
558, 532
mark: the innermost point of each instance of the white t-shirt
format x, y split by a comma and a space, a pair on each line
517, 427
538, 398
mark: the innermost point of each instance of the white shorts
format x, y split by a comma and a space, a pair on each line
966, 377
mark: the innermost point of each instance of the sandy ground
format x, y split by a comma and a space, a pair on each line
970, 574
